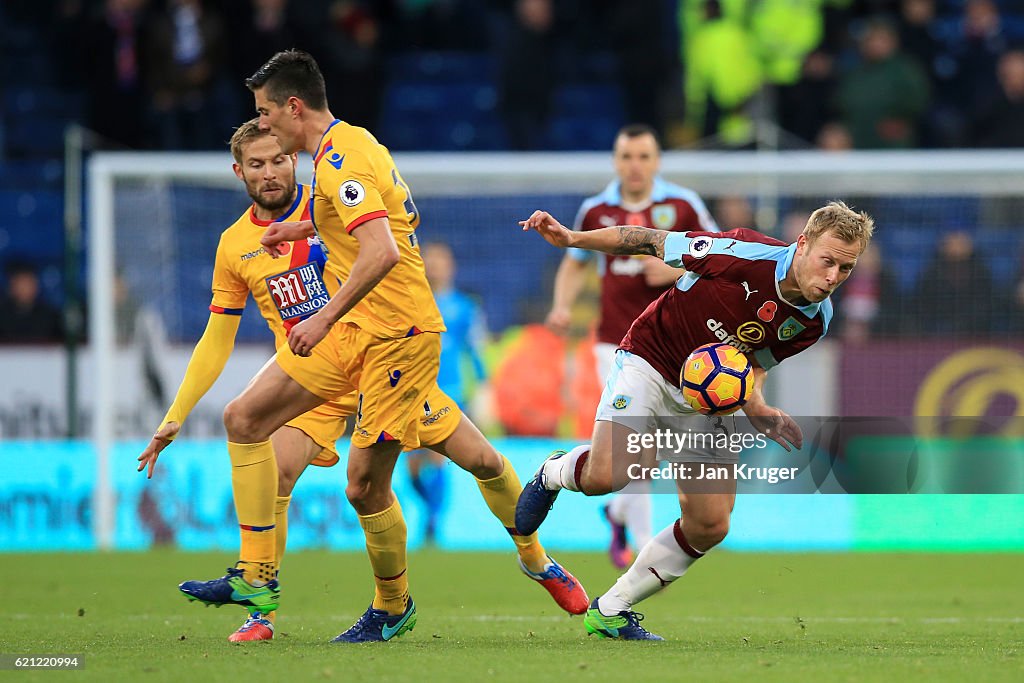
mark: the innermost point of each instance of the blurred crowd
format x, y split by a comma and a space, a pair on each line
167, 74
951, 291
837, 74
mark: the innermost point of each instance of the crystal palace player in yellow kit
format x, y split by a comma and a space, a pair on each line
285, 290
365, 360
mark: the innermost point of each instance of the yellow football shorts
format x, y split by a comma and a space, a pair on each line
325, 425
392, 378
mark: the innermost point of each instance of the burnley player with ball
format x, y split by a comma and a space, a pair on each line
762, 297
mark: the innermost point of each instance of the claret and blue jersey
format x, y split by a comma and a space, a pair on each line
730, 294
624, 290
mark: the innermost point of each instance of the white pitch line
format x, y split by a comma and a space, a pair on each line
298, 618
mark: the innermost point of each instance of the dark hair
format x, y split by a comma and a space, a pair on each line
292, 73
635, 130
19, 265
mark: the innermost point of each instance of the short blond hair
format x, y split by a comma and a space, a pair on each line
243, 135
839, 220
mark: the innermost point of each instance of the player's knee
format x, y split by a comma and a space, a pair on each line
357, 491
710, 532
486, 463
286, 479
241, 428
364, 496
596, 481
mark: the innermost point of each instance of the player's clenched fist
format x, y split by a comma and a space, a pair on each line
307, 334
278, 233
559, 320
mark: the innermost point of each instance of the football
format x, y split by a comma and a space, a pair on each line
716, 379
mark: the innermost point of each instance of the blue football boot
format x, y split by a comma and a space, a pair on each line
233, 589
623, 626
536, 500
376, 625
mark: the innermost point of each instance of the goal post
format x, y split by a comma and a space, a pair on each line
153, 218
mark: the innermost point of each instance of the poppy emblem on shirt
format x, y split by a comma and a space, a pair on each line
351, 193
663, 216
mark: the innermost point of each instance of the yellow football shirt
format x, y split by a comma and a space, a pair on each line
287, 289
355, 180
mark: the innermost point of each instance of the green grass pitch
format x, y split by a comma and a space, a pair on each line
736, 616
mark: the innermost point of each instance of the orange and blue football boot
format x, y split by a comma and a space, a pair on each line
567, 591
257, 626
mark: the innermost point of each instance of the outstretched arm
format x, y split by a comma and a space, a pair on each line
208, 360
621, 239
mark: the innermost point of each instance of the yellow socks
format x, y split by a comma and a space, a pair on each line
385, 544
254, 484
501, 495
280, 538
280, 527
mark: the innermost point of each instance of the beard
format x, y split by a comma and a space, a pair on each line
283, 201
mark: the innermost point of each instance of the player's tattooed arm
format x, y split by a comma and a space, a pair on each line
621, 239
636, 240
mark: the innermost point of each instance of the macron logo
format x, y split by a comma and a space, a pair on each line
394, 376
336, 160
